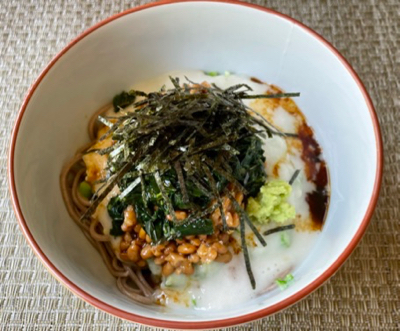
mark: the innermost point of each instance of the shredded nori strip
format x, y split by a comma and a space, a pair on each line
200, 186
227, 175
216, 194
182, 184
243, 215
167, 201
143, 186
294, 176
246, 254
279, 229
270, 96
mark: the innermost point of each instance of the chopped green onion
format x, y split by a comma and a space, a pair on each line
85, 190
212, 73
284, 283
285, 240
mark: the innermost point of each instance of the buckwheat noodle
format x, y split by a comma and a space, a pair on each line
129, 278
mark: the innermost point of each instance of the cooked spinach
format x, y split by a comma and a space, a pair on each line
124, 99
116, 209
248, 166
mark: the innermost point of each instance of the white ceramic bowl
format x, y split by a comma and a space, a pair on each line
144, 42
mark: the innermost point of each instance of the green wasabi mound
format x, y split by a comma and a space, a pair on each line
271, 203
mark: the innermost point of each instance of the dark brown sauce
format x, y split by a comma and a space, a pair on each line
317, 173
256, 80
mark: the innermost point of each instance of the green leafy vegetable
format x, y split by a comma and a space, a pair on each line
116, 209
152, 222
248, 166
194, 227
123, 100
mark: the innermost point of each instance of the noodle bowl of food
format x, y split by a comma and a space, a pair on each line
197, 179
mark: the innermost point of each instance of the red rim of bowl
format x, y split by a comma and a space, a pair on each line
215, 323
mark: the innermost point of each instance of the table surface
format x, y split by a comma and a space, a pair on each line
363, 295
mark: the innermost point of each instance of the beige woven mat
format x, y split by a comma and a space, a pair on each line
363, 295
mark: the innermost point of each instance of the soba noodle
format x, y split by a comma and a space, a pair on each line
130, 280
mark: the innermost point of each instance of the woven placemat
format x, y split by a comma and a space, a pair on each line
363, 295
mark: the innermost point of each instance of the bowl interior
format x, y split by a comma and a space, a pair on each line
192, 35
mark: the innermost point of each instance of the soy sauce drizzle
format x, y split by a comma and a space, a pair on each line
317, 173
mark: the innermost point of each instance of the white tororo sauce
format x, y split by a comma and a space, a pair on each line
211, 286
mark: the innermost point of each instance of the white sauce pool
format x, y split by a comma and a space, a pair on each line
218, 288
